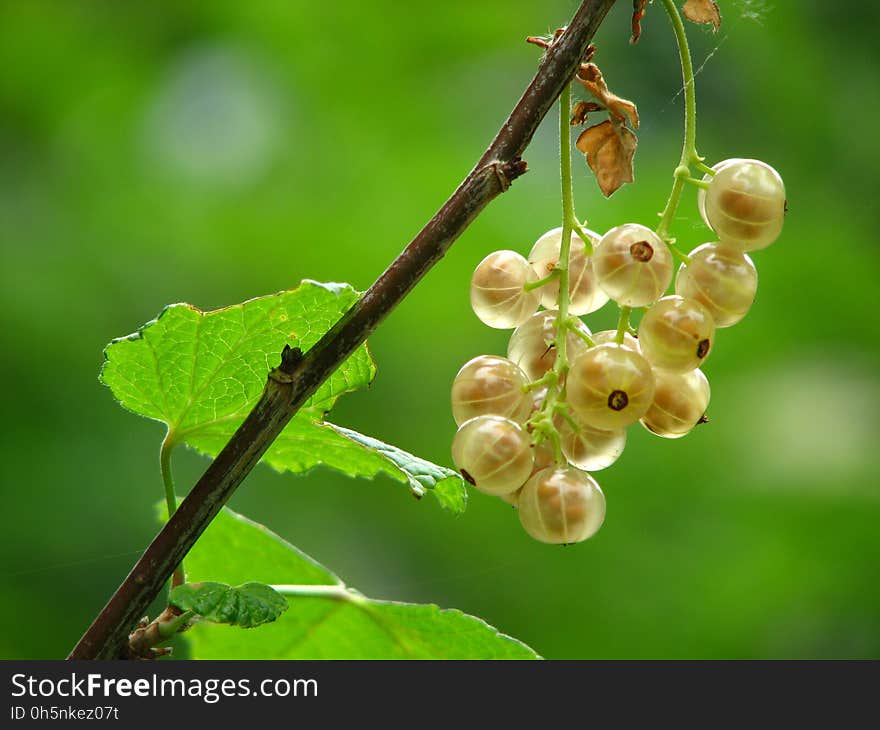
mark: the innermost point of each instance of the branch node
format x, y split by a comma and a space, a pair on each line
507, 172
291, 357
143, 640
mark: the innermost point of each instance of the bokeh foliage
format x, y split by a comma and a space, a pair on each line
211, 152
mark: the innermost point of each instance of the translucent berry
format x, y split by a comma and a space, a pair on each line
701, 193
610, 337
494, 454
745, 204
561, 505
490, 385
585, 295
680, 402
676, 334
589, 448
543, 455
532, 344
633, 265
498, 296
610, 387
722, 279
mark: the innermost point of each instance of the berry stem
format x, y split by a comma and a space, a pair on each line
548, 378
689, 153
532, 285
677, 252
697, 182
168, 444
573, 325
576, 427
702, 167
588, 244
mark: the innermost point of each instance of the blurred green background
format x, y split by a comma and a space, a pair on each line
211, 152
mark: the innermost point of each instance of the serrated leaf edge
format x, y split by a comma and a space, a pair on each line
416, 486
335, 288
370, 602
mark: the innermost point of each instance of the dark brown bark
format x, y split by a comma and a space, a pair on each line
299, 375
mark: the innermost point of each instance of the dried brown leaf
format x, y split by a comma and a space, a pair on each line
590, 77
539, 41
582, 109
609, 147
702, 11
638, 14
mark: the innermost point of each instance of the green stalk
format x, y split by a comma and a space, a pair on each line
543, 421
689, 153
167, 629
337, 592
168, 444
561, 363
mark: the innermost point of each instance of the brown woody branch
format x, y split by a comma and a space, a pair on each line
298, 375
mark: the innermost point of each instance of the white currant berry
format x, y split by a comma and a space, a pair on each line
707, 178
633, 265
676, 334
606, 337
745, 204
490, 385
584, 293
609, 387
561, 505
498, 296
722, 279
494, 454
589, 448
543, 456
532, 345
680, 402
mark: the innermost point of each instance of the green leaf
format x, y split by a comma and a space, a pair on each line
202, 372
446, 484
326, 620
247, 605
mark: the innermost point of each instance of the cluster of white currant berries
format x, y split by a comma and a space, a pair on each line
531, 428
